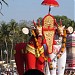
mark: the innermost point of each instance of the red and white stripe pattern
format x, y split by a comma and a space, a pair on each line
70, 64
71, 40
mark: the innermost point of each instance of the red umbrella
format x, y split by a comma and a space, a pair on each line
50, 3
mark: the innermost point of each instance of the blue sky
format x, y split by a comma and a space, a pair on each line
32, 9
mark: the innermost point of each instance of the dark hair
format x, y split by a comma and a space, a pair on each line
33, 72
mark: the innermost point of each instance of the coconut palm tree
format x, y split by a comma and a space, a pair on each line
5, 36
13, 28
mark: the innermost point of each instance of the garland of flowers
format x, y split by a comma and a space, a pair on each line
63, 44
62, 48
51, 66
37, 44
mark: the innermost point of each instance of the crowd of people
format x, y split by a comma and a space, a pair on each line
69, 72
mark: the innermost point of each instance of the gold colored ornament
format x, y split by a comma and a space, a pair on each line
64, 31
62, 50
49, 21
63, 45
64, 40
51, 67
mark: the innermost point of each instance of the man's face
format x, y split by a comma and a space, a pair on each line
40, 40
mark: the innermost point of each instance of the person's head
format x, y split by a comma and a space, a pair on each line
33, 72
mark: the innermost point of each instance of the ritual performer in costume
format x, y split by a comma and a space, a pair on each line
34, 50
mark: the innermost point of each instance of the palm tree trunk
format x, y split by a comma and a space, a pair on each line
11, 51
7, 53
12, 56
2, 60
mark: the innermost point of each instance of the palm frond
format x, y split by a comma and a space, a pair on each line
1, 13
5, 2
1, 5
